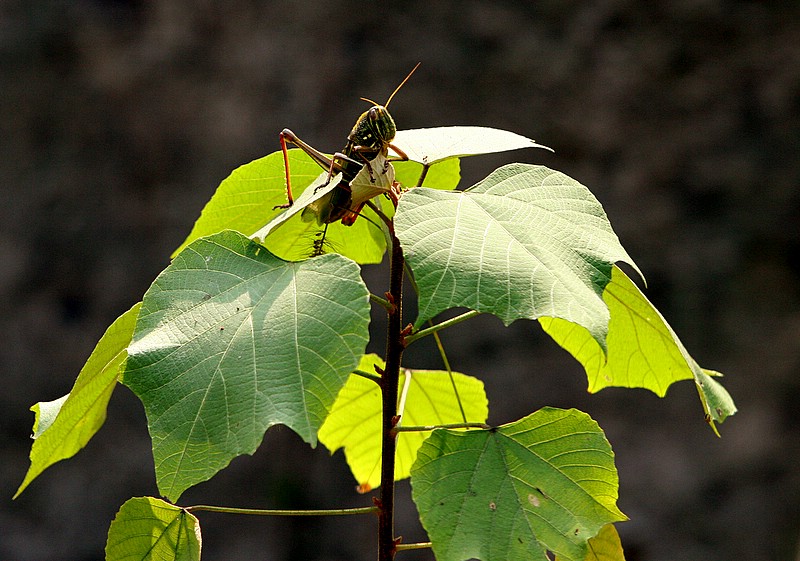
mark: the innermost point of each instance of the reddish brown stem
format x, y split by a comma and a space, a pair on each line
389, 390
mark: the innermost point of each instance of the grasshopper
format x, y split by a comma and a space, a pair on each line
370, 139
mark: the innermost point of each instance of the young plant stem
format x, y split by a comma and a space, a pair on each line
389, 391
282, 512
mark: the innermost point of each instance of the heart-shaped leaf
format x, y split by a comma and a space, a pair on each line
544, 483
232, 340
525, 242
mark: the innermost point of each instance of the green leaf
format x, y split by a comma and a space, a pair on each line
232, 340
642, 350
525, 242
149, 529
605, 546
546, 482
291, 235
363, 242
64, 426
428, 146
310, 196
245, 200
717, 402
355, 419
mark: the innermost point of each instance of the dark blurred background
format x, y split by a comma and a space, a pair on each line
119, 118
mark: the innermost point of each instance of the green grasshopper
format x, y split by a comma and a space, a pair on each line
370, 139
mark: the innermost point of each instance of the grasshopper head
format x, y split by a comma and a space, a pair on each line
374, 129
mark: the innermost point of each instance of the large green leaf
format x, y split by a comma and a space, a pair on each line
149, 529
245, 200
355, 419
525, 242
232, 340
546, 482
642, 350
428, 146
64, 426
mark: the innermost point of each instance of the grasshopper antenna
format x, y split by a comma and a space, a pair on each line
397, 89
401, 84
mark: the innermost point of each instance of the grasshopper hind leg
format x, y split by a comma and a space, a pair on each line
284, 136
319, 244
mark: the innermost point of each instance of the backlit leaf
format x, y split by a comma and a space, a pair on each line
245, 200
292, 234
232, 340
642, 350
292, 238
355, 419
64, 426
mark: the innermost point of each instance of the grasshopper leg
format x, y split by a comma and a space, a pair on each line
330, 164
283, 136
401, 156
335, 167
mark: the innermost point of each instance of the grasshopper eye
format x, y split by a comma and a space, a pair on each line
374, 113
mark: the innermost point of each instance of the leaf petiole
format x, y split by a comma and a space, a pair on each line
439, 326
380, 301
368, 375
409, 546
450, 374
377, 210
446, 426
283, 512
